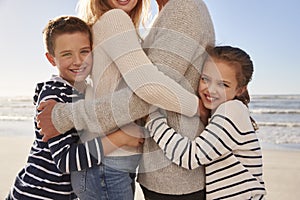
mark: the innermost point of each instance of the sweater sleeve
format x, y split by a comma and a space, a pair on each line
224, 133
100, 115
116, 35
69, 156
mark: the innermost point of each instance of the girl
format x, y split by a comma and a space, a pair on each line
228, 147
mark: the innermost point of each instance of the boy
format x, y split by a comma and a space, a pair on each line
68, 42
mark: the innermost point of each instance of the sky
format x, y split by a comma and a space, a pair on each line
268, 30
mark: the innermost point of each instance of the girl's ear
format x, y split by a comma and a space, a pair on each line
241, 91
51, 59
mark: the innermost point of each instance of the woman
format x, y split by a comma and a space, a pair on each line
175, 45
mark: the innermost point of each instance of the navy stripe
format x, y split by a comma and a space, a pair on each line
219, 139
203, 152
169, 140
175, 147
163, 134
232, 124
226, 177
242, 192
223, 168
183, 152
232, 185
210, 144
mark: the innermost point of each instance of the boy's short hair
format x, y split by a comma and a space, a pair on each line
62, 25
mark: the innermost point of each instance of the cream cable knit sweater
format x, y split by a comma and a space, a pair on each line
115, 36
177, 21
169, 48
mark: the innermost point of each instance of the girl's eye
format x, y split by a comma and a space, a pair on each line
223, 85
204, 79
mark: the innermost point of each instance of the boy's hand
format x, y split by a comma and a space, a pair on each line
44, 122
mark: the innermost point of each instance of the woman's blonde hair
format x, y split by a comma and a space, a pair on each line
91, 10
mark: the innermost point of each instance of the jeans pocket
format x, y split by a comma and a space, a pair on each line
78, 180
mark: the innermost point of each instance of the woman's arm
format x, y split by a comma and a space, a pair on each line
115, 34
101, 114
224, 133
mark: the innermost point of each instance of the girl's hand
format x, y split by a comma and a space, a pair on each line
204, 113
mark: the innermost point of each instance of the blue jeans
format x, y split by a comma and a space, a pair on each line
112, 180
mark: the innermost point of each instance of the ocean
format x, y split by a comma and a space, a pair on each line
278, 117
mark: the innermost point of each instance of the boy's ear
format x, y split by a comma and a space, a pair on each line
51, 59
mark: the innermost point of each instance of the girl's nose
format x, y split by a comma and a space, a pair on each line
212, 88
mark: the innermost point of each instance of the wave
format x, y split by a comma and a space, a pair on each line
295, 96
279, 124
15, 118
274, 111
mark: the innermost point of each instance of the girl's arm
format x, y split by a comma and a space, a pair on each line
69, 155
227, 129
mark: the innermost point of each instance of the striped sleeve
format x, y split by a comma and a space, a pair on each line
69, 155
220, 137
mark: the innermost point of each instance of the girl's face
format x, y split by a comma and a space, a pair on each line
126, 5
72, 56
218, 83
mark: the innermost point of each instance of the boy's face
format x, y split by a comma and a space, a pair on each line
72, 56
218, 83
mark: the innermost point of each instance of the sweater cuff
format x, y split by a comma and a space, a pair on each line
62, 117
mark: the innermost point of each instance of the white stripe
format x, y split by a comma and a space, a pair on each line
88, 154
58, 141
46, 170
42, 158
98, 151
68, 163
44, 188
67, 146
29, 195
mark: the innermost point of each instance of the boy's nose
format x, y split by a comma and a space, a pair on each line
77, 60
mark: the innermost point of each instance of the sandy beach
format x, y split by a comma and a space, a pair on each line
281, 168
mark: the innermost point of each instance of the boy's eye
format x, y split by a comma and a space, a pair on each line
85, 51
66, 54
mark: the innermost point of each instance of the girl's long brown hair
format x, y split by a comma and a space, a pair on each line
241, 60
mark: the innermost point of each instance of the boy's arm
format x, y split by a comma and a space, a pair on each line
69, 155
